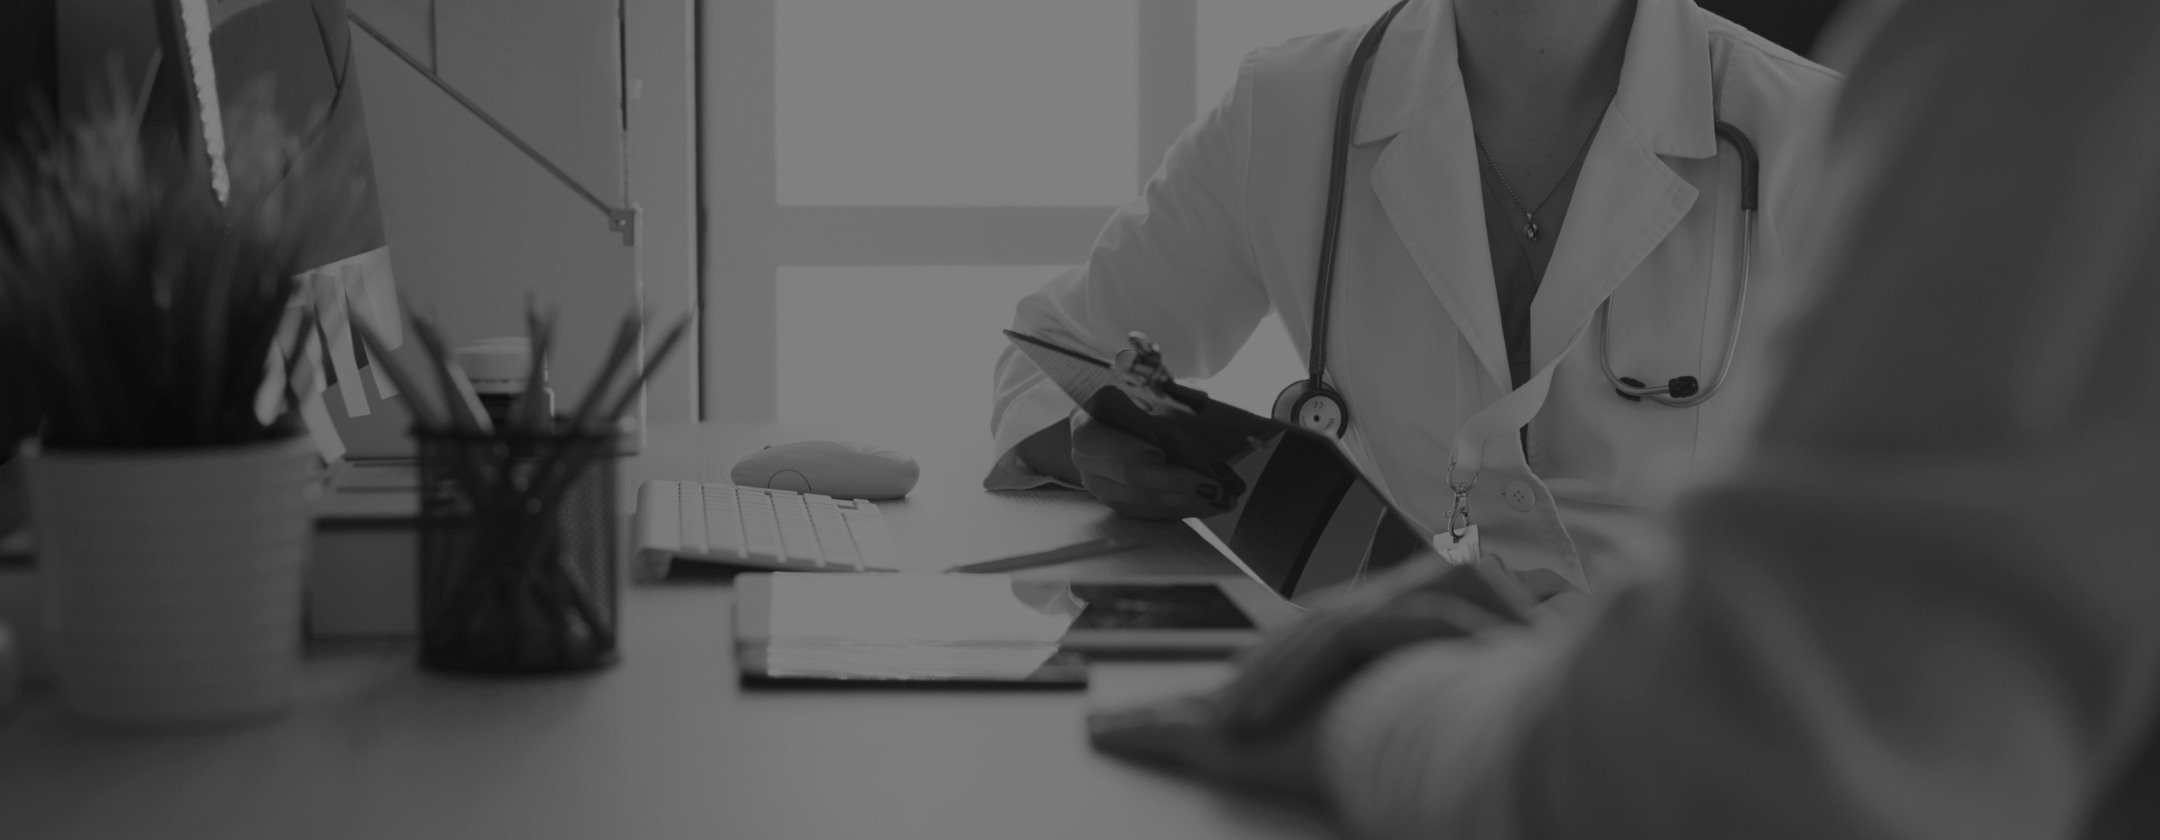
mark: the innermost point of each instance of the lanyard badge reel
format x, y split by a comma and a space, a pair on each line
1459, 543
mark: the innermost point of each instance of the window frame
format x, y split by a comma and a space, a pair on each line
748, 235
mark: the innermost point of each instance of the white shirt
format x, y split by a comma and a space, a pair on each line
1227, 231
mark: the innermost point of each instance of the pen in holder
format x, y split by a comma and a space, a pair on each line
518, 510
517, 552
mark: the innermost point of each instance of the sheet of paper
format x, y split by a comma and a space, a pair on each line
904, 608
369, 477
308, 375
371, 295
270, 397
911, 661
315, 414
337, 333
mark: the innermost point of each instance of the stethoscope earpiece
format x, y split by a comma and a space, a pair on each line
1678, 387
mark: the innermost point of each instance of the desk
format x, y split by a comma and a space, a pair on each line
664, 745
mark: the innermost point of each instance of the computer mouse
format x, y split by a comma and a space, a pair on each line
830, 468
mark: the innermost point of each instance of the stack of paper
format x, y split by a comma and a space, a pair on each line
914, 626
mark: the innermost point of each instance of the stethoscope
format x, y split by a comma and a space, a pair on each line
1313, 404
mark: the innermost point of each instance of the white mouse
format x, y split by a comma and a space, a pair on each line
831, 468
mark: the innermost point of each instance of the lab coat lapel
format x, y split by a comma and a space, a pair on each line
1626, 198
1427, 180
1427, 176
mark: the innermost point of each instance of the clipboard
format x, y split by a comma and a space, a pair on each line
1306, 520
1135, 395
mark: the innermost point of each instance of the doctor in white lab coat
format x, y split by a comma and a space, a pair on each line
1924, 608
1648, 220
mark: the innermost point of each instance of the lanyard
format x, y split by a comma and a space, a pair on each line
1467, 455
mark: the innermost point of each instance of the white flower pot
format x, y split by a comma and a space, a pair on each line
172, 580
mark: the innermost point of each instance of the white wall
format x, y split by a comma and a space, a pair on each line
474, 225
886, 177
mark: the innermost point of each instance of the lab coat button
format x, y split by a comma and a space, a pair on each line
1519, 496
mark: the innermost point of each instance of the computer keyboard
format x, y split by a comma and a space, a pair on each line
754, 529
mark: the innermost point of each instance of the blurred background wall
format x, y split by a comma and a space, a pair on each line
851, 193
884, 179
1794, 24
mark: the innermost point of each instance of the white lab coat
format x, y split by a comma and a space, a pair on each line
1228, 230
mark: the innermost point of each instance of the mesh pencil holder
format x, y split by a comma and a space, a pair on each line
517, 552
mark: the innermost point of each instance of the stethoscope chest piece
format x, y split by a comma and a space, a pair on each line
1314, 408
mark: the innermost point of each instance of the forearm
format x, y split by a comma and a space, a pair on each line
1026, 404
1852, 651
1050, 452
1413, 746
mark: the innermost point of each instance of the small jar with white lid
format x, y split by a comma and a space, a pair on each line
497, 368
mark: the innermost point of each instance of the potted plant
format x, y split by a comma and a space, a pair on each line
149, 308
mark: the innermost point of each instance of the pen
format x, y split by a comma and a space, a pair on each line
1076, 551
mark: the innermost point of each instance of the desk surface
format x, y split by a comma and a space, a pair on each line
664, 745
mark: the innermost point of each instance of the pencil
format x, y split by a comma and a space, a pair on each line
1067, 554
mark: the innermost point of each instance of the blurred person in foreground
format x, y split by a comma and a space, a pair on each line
1927, 606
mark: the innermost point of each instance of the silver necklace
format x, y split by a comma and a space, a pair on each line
1530, 226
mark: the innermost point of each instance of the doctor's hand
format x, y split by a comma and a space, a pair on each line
1261, 728
1134, 478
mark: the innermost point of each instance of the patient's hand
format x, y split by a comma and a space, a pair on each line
1288, 677
1260, 728
1185, 733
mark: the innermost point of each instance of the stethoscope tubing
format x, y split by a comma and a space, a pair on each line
1347, 103
1661, 394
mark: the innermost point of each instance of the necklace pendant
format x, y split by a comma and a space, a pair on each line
1529, 229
